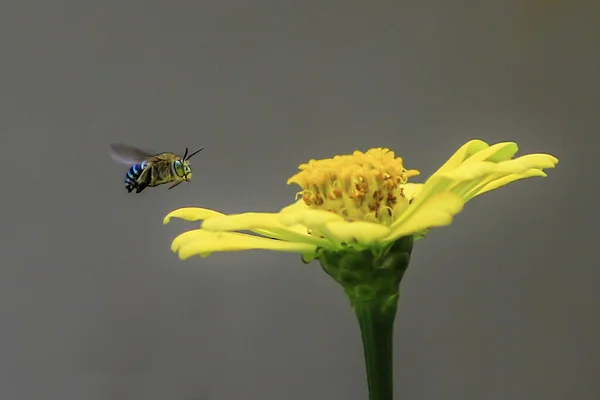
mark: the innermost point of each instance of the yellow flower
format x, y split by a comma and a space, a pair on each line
358, 216
361, 201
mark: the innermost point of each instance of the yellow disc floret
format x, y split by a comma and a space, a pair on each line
359, 187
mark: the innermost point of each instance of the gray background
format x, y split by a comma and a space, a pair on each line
93, 305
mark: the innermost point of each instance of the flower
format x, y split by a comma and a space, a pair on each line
358, 216
361, 201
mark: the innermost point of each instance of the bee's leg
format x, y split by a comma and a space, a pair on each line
143, 180
130, 186
140, 186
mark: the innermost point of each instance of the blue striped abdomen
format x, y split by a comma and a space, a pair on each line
134, 173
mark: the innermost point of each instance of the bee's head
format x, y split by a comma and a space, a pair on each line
182, 166
187, 170
183, 169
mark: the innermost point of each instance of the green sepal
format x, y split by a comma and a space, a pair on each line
371, 273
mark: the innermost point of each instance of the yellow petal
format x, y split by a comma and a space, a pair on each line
357, 232
486, 169
471, 171
203, 243
537, 161
442, 183
435, 184
435, 210
411, 190
332, 226
311, 218
518, 165
505, 180
466, 151
267, 224
296, 206
495, 153
470, 175
506, 172
316, 221
245, 221
191, 214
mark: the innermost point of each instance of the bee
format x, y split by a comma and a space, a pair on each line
150, 170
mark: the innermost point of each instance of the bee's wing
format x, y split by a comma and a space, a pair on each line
128, 154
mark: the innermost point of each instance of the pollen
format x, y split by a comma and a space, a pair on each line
360, 187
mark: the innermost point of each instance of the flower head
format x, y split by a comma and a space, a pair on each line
359, 216
361, 201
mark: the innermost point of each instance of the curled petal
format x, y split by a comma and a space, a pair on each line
311, 218
435, 210
471, 171
435, 184
332, 226
203, 243
537, 161
298, 205
267, 224
411, 190
504, 180
191, 214
465, 152
357, 232
246, 221
516, 166
438, 184
498, 175
470, 175
316, 221
496, 153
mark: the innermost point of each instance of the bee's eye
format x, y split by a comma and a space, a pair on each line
179, 170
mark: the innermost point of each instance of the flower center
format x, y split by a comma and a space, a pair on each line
362, 186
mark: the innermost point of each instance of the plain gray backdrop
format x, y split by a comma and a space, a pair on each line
94, 305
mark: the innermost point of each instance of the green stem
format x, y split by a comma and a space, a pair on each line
376, 322
371, 280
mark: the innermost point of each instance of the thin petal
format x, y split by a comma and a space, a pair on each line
516, 166
496, 175
435, 210
267, 224
191, 214
296, 206
203, 243
317, 221
411, 190
357, 232
496, 153
470, 175
443, 183
471, 171
465, 152
537, 161
332, 226
461, 180
245, 221
309, 217
503, 181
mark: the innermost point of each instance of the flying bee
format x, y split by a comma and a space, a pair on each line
150, 170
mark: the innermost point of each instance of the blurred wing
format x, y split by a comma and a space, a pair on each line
128, 154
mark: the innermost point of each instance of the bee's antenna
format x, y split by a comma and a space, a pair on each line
194, 153
186, 152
